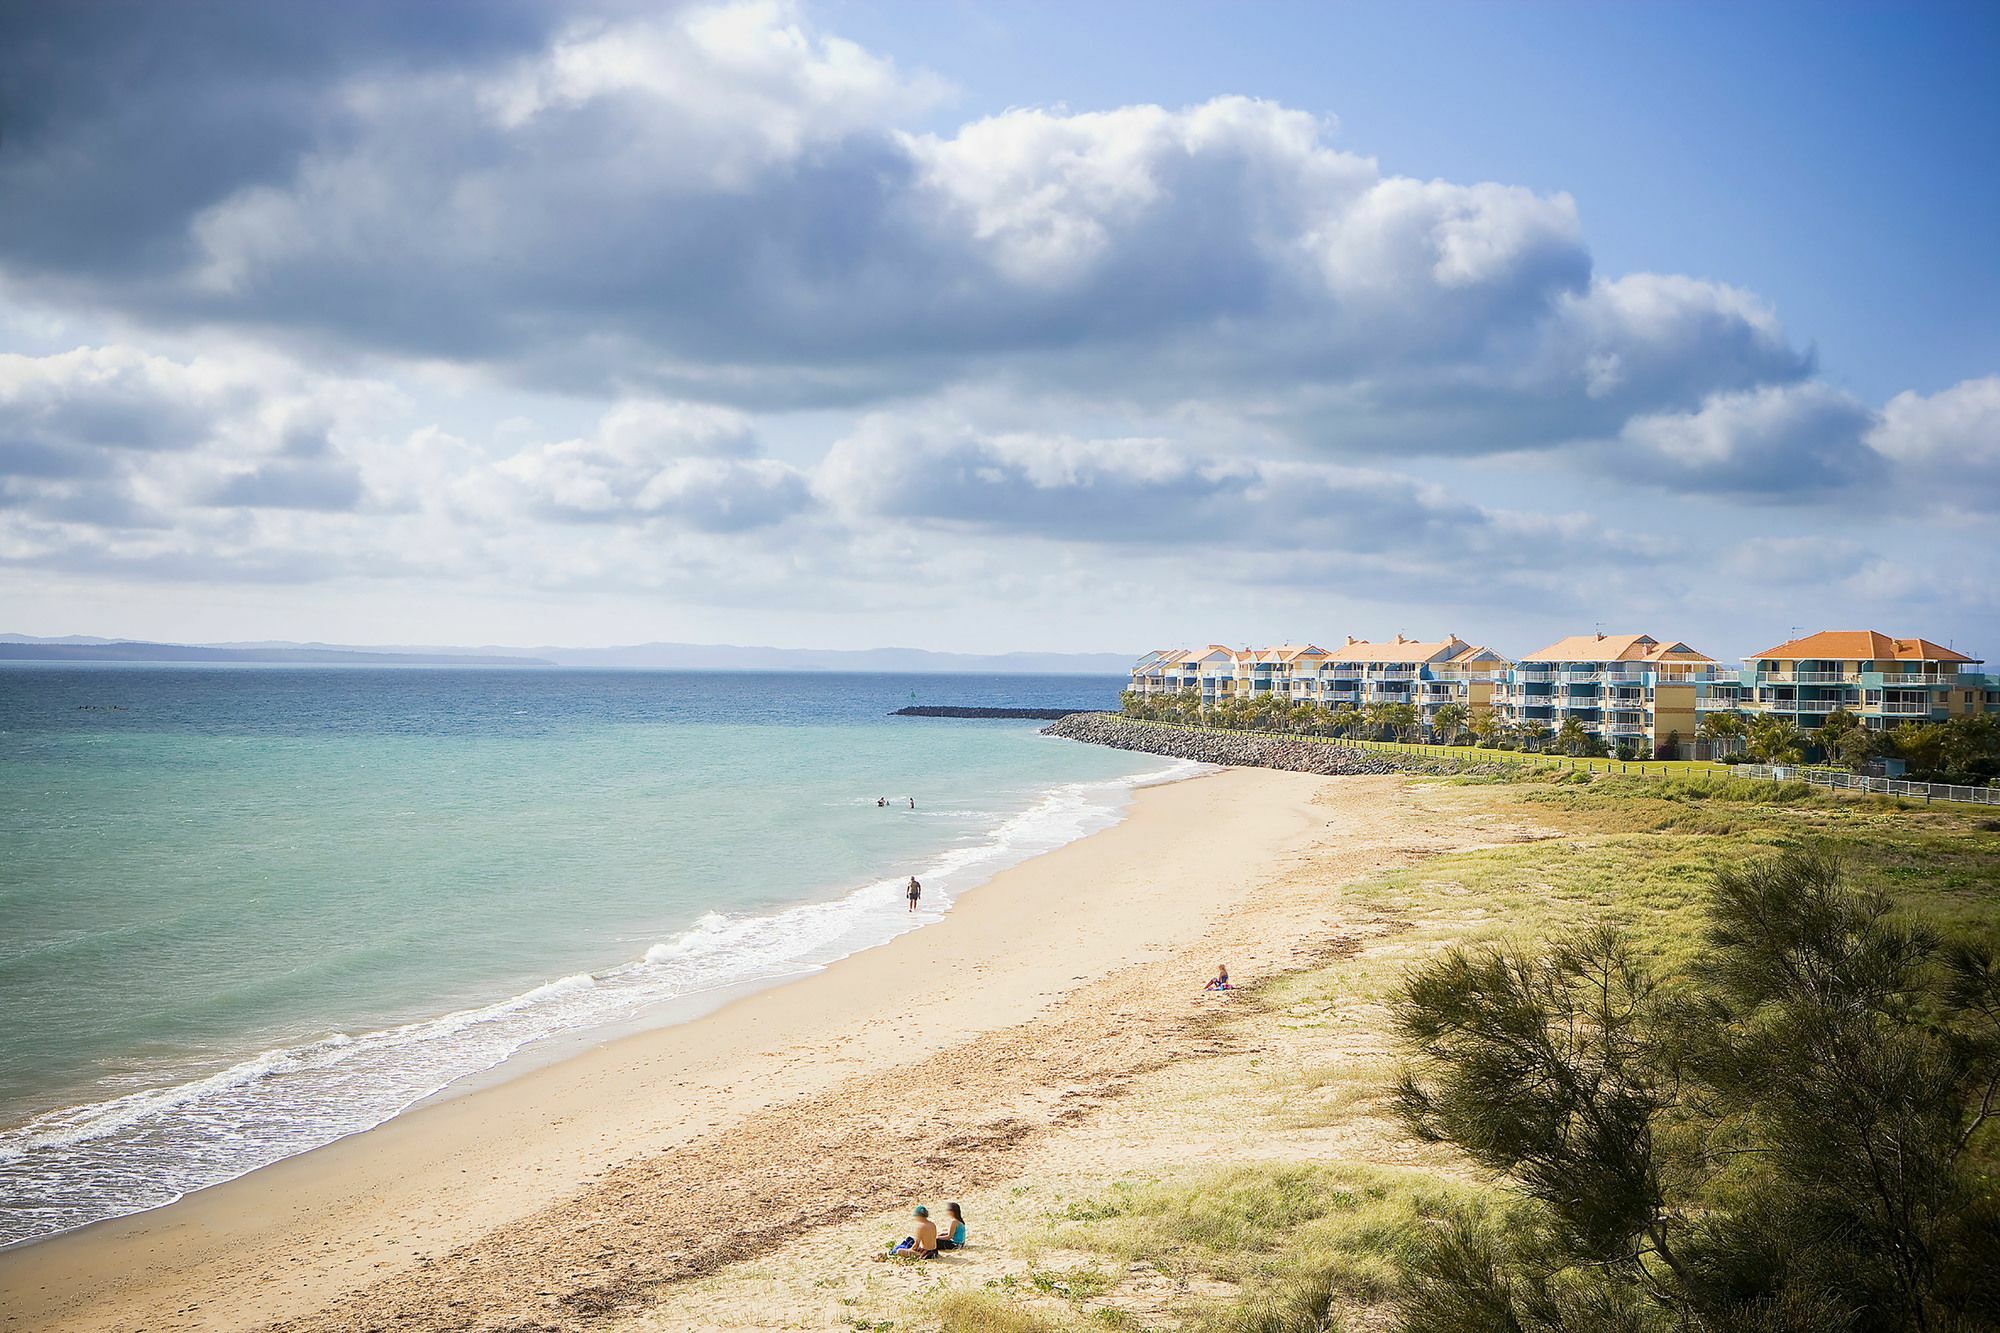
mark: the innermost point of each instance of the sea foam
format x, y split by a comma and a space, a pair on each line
81, 1164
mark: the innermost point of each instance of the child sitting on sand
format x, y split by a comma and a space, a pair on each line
923, 1245
1220, 981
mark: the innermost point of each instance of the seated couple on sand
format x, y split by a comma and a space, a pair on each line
927, 1242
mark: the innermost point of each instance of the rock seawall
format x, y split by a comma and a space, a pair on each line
944, 710
1299, 756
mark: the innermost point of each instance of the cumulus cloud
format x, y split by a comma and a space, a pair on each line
112, 437
719, 202
1787, 442
681, 461
1173, 339
1948, 443
1155, 493
93, 398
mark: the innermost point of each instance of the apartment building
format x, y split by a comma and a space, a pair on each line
1290, 670
1623, 689
1426, 673
1209, 672
1882, 680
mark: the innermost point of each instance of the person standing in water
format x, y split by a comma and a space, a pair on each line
913, 803
914, 892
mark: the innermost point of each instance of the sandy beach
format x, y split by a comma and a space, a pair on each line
596, 1187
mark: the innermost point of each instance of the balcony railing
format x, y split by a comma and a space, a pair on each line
1894, 709
1806, 678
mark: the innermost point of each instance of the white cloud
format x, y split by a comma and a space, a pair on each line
1792, 442
687, 462
1946, 445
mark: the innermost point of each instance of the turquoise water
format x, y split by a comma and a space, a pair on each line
249, 910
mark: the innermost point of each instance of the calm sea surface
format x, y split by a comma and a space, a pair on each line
245, 911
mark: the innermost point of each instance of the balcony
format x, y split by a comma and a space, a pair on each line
1897, 709
1807, 678
1896, 680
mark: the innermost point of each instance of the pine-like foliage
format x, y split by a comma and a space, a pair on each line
1784, 1137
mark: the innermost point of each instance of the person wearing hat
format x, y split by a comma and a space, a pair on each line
923, 1245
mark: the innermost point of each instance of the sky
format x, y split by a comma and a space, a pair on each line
984, 327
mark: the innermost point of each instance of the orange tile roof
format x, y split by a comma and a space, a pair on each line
1615, 648
1861, 645
1398, 649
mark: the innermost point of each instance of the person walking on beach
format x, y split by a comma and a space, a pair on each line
913, 892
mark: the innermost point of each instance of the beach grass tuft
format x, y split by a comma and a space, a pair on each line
990, 1312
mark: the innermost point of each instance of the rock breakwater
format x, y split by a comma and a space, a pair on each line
1029, 714
1208, 747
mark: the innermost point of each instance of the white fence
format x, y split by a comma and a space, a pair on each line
1833, 777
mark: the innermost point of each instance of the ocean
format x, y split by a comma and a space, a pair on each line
245, 911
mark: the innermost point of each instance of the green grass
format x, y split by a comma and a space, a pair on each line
1303, 1245
988, 1312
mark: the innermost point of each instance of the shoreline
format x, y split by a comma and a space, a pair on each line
379, 1203
950, 872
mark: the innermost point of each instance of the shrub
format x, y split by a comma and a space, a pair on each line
1781, 1138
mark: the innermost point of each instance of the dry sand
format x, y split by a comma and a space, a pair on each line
592, 1191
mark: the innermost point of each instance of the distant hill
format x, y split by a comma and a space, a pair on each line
644, 656
733, 657
13, 649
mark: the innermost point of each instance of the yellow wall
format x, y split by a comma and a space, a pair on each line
1673, 710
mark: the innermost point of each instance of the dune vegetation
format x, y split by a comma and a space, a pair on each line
1640, 1070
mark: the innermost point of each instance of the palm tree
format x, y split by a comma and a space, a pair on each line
1774, 740
1845, 740
1571, 738
1346, 720
1721, 731
1486, 727
1448, 722
1402, 720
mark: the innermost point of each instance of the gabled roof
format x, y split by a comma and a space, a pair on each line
1860, 645
1398, 649
1471, 654
1616, 648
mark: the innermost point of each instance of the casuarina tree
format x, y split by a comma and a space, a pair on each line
1792, 1133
